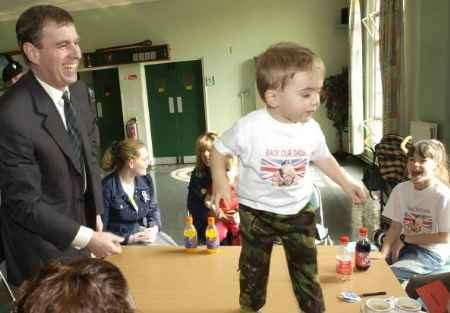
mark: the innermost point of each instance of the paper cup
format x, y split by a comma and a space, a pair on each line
407, 305
378, 305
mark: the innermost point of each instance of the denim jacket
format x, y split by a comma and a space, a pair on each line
119, 215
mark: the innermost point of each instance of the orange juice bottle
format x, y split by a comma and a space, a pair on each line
190, 235
212, 236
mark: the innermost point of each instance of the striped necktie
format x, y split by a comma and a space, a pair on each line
73, 130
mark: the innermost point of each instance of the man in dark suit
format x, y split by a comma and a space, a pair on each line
49, 177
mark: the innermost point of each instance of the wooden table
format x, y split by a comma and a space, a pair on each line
167, 279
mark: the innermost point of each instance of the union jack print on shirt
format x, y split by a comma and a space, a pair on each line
417, 223
282, 172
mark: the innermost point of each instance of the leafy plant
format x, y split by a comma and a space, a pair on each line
335, 99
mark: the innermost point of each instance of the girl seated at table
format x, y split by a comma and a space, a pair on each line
199, 183
417, 239
130, 208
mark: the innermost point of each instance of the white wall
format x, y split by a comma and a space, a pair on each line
134, 101
226, 35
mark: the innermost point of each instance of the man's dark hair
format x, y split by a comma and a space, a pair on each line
31, 22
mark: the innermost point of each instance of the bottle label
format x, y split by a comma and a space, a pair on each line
344, 267
190, 242
212, 243
190, 233
212, 240
362, 259
190, 238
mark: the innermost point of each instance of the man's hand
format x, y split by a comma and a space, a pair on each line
99, 223
104, 244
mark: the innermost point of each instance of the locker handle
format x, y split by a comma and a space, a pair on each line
171, 106
99, 110
180, 104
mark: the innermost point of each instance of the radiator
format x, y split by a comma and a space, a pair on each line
423, 130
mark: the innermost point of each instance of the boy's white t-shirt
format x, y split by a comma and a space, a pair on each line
424, 211
274, 160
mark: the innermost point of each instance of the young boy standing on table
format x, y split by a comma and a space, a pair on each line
274, 146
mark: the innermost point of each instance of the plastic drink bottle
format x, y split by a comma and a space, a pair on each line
212, 236
362, 251
190, 235
344, 266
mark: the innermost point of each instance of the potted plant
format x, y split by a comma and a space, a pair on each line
335, 99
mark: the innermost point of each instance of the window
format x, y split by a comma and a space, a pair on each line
373, 113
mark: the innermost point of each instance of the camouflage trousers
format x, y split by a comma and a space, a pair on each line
297, 233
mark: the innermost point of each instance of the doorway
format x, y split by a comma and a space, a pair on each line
177, 109
106, 94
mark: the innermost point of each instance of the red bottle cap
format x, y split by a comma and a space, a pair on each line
211, 220
344, 239
363, 231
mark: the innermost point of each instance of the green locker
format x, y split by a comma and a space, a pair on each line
109, 106
176, 106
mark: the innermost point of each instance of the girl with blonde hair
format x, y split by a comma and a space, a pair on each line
417, 239
130, 208
199, 183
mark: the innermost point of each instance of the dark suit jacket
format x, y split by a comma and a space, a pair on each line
43, 204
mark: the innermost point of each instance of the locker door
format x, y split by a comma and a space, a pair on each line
175, 97
109, 106
190, 104
162, 108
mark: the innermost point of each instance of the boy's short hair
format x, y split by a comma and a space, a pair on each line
280, 62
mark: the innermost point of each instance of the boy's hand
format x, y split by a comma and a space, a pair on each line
356, 192
221, 190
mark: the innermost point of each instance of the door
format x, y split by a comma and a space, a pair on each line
109, 106
190, 105
177, 116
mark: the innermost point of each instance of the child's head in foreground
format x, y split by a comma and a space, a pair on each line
86, 286
289, 78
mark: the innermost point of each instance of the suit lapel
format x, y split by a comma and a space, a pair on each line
52, 120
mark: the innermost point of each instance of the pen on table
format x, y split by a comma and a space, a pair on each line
370, 294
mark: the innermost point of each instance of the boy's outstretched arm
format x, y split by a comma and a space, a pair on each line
220, 185
332, 169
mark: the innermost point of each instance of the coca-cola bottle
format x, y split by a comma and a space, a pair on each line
362, 251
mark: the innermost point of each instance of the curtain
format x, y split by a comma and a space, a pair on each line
391, 60
356, 84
